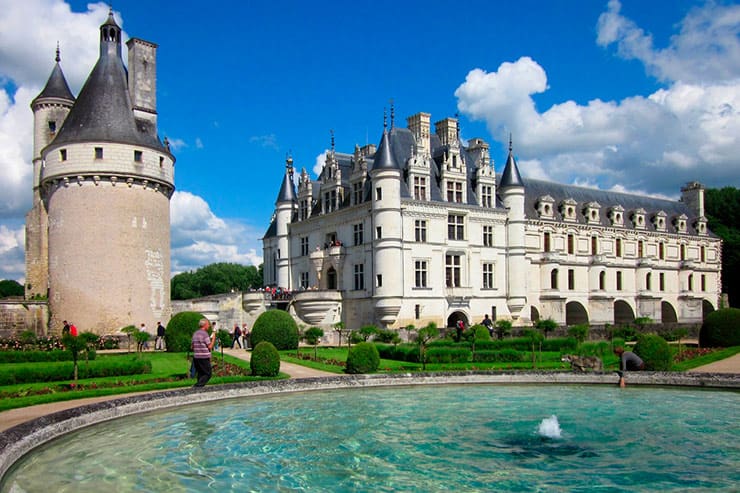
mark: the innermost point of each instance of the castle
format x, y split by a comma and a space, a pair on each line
421, 229
98, 234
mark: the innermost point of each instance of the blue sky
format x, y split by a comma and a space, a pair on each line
631, 95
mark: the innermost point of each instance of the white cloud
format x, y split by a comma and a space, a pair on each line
318, 165
706, 49
198, 143
199, 237
683, 132
176, 144
268, 141
12, 259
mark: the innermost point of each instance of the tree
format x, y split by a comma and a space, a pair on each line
312, 337
503, 328
722, 208
8, 287
535, 338
367, 332
129, 330
424, 336
216, 278
546, 325
339, 327
74, 344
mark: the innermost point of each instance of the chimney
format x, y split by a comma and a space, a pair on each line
142, 79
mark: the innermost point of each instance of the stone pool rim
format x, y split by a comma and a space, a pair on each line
22, 439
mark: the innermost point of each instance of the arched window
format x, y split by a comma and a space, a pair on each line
554, 279
648, 281
602, 280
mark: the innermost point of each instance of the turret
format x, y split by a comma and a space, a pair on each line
511, 189
285, 206
387, 234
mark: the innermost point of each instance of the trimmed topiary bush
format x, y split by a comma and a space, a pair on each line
179, 332
655, 352
276, 327
363, 358
265, 360
721, 328
481, 333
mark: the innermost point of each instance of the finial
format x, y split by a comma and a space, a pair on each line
510, 146
385, 119
332, 139
57, 58
393, 113
457, 127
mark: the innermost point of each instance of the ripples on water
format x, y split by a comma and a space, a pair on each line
454, 438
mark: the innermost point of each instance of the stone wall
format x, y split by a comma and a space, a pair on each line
17, 316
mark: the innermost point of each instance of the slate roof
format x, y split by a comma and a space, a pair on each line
103, 110
56, 87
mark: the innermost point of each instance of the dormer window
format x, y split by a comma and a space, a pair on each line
591, 212
680, 223
546, 206
638, 218
568, 209
659, 221
616, 215
701, 225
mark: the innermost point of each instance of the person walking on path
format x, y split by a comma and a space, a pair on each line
245, 337
159, 343
236, 337
202, 345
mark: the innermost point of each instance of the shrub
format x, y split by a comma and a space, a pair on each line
579, 332
626, 332
481, 333
721, 328
56, 371
655, 352
448, 355
265, 360
546, 325
503, 328
37, 356
367, 332
399, 352
363, 358
276, 327
180, 330
387, 336
503, 356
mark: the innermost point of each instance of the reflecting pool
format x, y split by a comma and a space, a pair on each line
420, 438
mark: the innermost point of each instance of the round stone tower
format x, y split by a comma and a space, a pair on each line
105, 183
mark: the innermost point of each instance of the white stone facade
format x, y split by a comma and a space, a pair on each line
409, 246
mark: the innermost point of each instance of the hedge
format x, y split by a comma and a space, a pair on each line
39, 356
448, 355
562, 344
399, 352
57, 371
503, 356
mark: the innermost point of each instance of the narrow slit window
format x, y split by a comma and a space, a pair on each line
98, 153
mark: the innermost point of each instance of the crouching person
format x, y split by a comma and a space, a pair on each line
628, 361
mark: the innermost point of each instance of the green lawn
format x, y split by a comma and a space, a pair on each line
169, 371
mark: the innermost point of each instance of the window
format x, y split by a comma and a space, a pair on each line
420, 188
304, 245
378, 193
640, 249
547, 243
487, 276
420, 230
661, 281
683, 252
455, 227
63, 154
303, 210
454, 191
98, 153
486, 196
703, 282
138, 155
161, 161
594, 245
304, 280
619, 281
52, 126
554, 279
648, 281
661, 251
487, 236
357, 193
359, 276
571, 279
378, 233
379, 280
571, 244
703, 254
691, 282
452, 271
357, 230
602, 280
420, 274
417, 311
618, 247
330, 200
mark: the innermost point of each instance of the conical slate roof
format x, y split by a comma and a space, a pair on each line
103, 110
511, 177
56, 87
384, 158
287, 193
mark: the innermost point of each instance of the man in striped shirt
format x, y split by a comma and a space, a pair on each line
202, 345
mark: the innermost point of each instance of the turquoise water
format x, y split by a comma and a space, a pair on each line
425, 439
